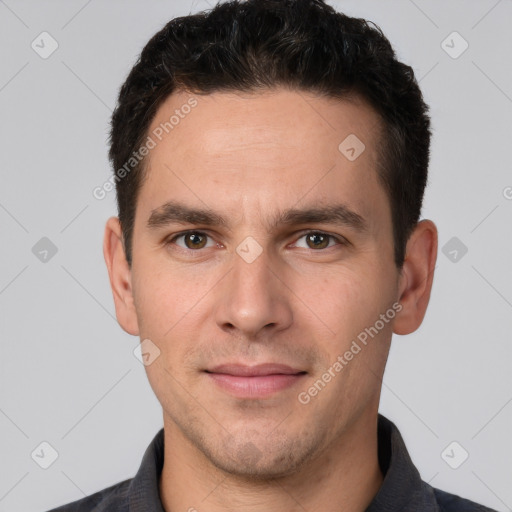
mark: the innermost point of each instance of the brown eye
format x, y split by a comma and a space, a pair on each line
191, 240
195, 240
317, 240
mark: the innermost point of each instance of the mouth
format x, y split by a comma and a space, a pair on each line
259, 381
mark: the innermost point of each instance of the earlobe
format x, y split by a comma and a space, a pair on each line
417, 277
120, 276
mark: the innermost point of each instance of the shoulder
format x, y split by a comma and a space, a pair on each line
113, 498
452, 503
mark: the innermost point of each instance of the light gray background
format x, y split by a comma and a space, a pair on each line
68, 375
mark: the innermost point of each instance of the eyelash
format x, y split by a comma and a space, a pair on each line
340, 240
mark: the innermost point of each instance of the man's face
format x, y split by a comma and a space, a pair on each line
255, 287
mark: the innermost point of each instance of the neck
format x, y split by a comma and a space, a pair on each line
345, 476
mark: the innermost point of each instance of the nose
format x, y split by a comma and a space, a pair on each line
253, 302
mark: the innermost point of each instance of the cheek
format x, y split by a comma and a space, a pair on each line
345, 299
173, 310
351, 306
165, 298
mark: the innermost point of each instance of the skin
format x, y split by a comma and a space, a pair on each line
246, 157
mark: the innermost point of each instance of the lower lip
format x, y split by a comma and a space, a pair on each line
256, 386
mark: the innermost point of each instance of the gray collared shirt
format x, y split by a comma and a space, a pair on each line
401, 490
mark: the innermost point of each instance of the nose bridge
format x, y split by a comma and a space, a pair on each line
252, 268
252, 296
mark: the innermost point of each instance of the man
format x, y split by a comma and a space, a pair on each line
270, 161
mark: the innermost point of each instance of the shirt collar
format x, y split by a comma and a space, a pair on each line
401, 489
144, 491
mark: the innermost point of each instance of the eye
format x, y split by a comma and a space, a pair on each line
195, 240
192, 240
318, 240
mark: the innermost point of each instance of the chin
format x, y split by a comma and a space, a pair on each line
253, 461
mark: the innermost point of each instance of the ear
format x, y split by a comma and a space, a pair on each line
416, 277
120, 276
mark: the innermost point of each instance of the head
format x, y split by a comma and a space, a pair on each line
292, 146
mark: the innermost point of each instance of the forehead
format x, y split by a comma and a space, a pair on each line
263, 150
242, 120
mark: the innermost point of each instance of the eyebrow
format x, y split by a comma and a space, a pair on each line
176, 212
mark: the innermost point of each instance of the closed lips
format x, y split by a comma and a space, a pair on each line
255, 371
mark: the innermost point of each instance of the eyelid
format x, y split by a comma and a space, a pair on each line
340, 239
172, 238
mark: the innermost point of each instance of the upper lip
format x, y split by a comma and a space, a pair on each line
256, 370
